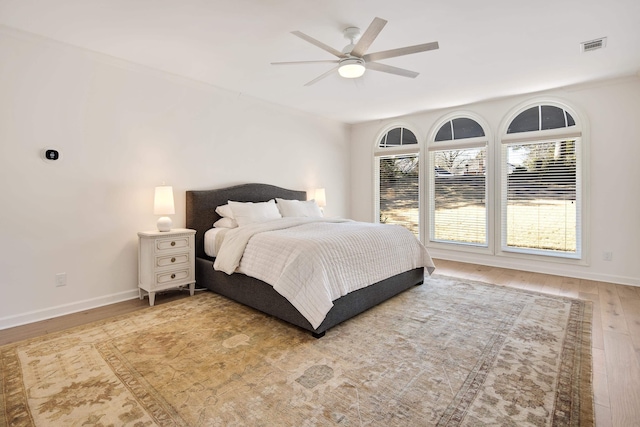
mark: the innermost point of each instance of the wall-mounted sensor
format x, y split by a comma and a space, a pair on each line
50, 154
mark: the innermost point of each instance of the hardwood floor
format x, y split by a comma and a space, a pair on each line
19, 333
615, 337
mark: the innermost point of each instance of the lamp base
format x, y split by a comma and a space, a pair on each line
164, 223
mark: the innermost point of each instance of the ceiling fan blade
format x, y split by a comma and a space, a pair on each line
322, 76
376, 56
391, 70
368, 37
318, 43
324, 61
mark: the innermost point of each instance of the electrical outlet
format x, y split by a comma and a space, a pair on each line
61, 279
607, 256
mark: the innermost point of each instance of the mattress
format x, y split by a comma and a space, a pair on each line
210, 247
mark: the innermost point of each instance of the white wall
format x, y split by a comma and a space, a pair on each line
122, 129
612, 110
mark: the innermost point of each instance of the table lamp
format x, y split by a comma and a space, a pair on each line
320, 198
163, 205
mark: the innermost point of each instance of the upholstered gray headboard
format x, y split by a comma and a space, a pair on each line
201, 205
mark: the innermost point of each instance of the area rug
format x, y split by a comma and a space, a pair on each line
448, 353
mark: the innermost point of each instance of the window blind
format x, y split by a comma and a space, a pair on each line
540, 191
399, 191
458, 195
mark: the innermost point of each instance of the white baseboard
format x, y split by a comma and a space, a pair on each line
61, 310
556, 269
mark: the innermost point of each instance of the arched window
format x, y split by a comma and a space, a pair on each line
541, 182
459, 128
458, 182
397, 137
398, 179
541, 117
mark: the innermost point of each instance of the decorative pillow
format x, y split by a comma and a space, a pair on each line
297, 208
251, 213
224, 211
225, 222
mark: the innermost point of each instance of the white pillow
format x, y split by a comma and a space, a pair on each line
225, 223
224, 211
251, 213
297, 208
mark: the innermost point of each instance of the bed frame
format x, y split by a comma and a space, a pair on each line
257, 294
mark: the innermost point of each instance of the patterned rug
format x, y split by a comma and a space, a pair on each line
447, 353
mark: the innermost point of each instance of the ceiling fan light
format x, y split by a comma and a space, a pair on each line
351, 68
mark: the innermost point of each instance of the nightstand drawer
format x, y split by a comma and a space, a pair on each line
172, 276
176, 259
170, 244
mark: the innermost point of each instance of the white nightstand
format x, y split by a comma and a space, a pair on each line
166, 259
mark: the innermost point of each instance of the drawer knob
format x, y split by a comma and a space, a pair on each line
173, 259
173, 276
173, 243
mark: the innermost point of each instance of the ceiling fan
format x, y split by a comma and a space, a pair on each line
354, 60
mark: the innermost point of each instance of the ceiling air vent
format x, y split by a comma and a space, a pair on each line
593, 44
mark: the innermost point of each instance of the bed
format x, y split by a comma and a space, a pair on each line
201, 214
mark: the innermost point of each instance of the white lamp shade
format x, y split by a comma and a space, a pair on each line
320, 197
163, 201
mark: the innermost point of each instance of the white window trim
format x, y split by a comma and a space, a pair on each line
432, 145
494, 155
400, 150
581, 130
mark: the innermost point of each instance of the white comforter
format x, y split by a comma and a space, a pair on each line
313, 262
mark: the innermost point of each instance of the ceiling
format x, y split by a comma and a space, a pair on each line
487, 49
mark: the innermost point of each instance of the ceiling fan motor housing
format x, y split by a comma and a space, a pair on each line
353, 35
